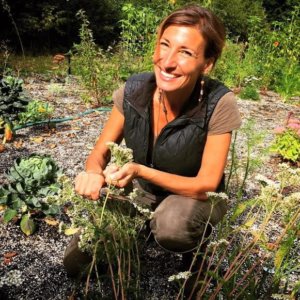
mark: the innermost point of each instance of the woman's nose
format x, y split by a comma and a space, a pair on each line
170, 59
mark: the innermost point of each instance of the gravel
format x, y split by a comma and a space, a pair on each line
37, 265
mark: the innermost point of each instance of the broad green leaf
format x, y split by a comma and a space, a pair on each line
15, 201
51, 209
19, 188
27, 225
9, 215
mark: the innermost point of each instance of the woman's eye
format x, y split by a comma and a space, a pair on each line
186, 53
163, 44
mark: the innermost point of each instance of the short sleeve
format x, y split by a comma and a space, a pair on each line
118, 97
226, 116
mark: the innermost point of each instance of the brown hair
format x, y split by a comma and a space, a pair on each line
209, 25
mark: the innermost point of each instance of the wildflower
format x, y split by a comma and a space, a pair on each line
276, 44
217, 195
41, 109
181, 275
293, 125
265, 181
144, 211
119, 155
218, 243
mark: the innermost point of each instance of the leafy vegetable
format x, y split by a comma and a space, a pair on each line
31, 180
12, 98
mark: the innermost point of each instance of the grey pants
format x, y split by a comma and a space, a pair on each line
180, 223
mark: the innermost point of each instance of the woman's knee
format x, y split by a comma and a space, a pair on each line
178, 224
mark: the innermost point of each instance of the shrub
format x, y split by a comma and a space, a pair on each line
92, 64
249, 92
138, 28
287, 140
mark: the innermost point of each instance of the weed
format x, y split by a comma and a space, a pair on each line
36, 111
252, 250
249, 92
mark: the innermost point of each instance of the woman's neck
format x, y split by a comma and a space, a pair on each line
176, 100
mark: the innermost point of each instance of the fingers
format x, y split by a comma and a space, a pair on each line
89, 185
110, 170
122, 176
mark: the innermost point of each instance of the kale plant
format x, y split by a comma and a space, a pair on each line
30, 181
12, 98
12, 102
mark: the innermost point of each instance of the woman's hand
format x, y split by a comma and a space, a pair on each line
121, 177
89, 184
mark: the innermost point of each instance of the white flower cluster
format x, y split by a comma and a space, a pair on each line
13, 277
280, 297
144, 211
120, 155
250, 79
218, 243
179, 276
266, 181
288, 176
222, 196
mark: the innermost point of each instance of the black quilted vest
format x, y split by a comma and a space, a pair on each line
179, 146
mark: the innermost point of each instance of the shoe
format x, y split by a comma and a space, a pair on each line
76, 262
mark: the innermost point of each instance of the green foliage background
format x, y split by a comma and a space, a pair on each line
51, 24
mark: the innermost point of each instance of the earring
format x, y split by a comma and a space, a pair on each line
201, 90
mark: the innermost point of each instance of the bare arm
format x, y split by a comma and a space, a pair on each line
90, 182
208, 178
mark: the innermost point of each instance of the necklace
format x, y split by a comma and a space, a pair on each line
161, 100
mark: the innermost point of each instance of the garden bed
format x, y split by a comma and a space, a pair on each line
39, 257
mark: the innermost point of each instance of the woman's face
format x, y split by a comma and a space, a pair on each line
179, 58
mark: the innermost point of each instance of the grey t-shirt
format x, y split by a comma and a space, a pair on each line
225, 118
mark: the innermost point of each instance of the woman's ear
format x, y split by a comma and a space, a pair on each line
208, 66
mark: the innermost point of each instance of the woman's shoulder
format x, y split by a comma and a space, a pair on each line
226, 116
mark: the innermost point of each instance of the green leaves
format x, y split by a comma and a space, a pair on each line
9, 215
287, 145
12, 98
31, 181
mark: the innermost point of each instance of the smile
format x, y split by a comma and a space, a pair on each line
167, 75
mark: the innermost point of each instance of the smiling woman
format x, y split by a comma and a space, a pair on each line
178, 122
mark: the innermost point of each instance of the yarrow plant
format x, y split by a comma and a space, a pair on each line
108, 229
255, 250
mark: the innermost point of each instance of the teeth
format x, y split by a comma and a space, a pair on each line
167, 75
